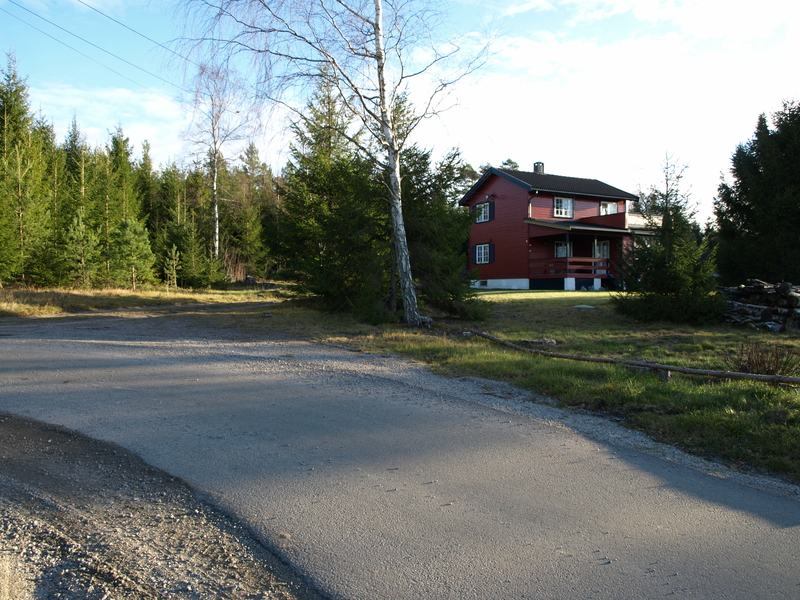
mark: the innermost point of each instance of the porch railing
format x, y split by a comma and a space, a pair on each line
573, 266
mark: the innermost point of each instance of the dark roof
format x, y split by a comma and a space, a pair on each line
575, 226
553, 183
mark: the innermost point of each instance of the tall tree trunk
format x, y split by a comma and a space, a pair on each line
215, 205
393, 155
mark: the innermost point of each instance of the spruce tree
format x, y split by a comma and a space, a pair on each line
46, 266
16, 119
171, 267
82, 251
335, 225
78, 168
438, 233
125, 196
146, 189
16, 123
24, 185
250, 192
131, 257
669, 275
758, 214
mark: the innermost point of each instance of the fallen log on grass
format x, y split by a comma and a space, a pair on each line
643, 364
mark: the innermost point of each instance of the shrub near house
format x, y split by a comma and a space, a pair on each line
538, 231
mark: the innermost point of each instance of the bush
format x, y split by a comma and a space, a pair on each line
693, 309
469, 309
764, 359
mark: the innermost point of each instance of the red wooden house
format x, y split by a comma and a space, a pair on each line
538, 231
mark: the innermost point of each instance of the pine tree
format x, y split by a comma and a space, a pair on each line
336, 231
438, 233
78, 168
24, 169
669, 275
758, 214
131, 257
251, 197
16, 123
46, 266
82, 251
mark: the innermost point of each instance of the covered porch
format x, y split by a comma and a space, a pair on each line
574, 256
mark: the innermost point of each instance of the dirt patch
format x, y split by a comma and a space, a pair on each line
83, 519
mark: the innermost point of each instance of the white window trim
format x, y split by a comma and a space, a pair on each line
482, 254
566, 245
483, 212
563, 207
610, 208
599, 247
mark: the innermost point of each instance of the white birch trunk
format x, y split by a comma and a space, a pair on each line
407, 289
215, 204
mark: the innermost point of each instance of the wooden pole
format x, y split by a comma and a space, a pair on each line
645, 364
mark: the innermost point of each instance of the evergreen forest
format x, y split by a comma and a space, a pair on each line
72, 215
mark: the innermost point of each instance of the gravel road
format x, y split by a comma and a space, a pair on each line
349, 475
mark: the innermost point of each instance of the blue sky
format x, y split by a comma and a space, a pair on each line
601, 89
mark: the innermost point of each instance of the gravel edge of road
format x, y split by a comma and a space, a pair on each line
86, 519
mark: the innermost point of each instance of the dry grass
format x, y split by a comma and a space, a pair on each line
28, 302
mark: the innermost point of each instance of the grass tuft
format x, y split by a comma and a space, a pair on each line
765, 358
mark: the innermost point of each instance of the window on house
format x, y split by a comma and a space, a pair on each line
484, 211
483, 254
563, 249
562, 207
608, 208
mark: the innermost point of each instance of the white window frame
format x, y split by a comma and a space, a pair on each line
601, 247
608, 208
561, 247
562, 207
482, 254
482, 210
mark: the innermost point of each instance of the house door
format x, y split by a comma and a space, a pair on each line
601, 250
563, 249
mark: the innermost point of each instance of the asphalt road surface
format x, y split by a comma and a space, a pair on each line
375, 479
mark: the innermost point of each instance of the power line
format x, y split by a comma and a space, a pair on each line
89, 57
121, 24
151, 40
93, 45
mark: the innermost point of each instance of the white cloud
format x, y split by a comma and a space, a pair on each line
516, 9
614, 109
701, 19
142, 116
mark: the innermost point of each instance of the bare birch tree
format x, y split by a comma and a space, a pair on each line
218, 120
370, 51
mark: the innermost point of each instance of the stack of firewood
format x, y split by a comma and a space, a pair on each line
764, 305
